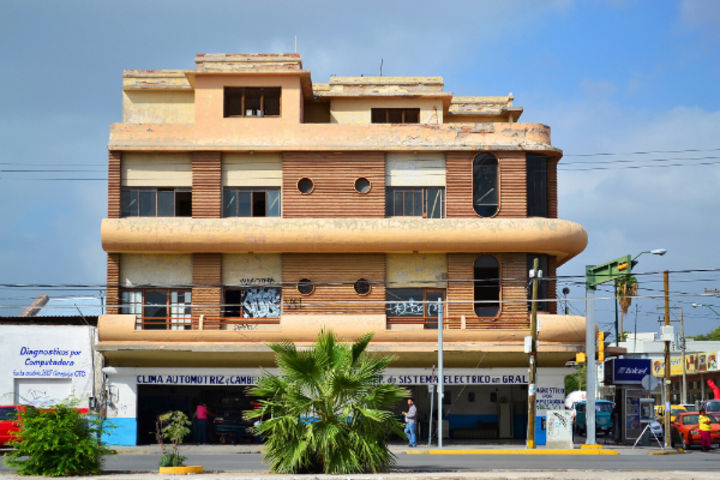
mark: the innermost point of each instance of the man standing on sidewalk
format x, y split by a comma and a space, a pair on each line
410, 422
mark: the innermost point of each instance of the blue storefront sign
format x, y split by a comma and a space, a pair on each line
627, 371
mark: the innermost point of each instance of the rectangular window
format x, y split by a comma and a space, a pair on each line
251, 202
256, 302
427, 202
414, 305
251, 102
395, 115
158, 309
537, 201
156, 202
543, 289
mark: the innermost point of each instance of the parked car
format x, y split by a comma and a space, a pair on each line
674, 410
685, 432
8, 422
603, 416
711, 406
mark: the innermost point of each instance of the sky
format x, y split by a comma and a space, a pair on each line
611, 78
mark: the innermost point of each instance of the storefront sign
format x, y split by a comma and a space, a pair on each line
550, 398
217, 380
629, 371
49, 362
694, 363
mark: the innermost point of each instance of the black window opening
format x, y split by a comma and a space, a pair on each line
254, 302
426, 202
414, 305
537, 188
395, 115
251, 202
543, 289
487, 286
485, 185
156, 202
251, 102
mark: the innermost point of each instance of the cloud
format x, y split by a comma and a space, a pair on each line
701, 13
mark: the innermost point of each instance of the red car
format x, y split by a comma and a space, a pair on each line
8, 422
685, 430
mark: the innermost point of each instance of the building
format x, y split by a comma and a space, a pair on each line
248, 205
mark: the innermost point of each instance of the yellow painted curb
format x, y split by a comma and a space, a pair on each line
513, 452
586, 446
184, 470
667, 452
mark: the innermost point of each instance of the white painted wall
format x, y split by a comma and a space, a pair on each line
43, 365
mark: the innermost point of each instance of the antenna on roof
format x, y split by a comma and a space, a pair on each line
381, 64
295, 43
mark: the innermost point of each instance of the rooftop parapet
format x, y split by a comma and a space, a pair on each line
381, 86
247, 62
485, 106
155, 79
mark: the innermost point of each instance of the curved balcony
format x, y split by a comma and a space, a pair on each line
559, 238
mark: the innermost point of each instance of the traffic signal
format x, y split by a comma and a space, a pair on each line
580, 357
622, 267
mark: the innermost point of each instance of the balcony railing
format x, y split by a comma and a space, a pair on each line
202, 322
458, 323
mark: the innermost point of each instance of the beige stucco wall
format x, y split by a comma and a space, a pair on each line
416, 270
357, 110
155, 270
244, 269
156, 170
209, 101
252, 170
422, 169
144, 106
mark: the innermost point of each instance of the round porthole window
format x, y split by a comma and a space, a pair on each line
362, 185
305, 185
362, 287
305, 286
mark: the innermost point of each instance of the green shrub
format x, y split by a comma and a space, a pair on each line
57, 441
175, 430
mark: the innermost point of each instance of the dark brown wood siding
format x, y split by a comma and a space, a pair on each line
112, 289
552, 284
206, 185
513, 184
207, 292
114, 173
333, 176
513, 293
334, 276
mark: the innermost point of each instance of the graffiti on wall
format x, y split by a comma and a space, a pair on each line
261, 302
406, 309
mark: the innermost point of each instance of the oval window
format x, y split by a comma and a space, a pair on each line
487, 286
485, 185
305, 286
305, 185
362, 287
362, 185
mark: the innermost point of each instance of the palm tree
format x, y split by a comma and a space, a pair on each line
329, 410
626, 287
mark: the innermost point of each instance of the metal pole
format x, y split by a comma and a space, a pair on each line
532, 359
441, 379
432, 406
666, 387
617, 335
682, 348
591, 380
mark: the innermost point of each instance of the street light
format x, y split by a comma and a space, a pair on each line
657, 251
698, 305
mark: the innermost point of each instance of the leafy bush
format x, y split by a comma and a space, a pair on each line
175, 430
58, 441
327, 412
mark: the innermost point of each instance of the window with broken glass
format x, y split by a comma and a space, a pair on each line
485, 185
414, 305
251, 102
251, 202
487, 286
158, 309
156, 202
537, 198
426, 202
253, 302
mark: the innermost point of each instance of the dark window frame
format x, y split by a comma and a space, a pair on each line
176, 204
239, 97
393, 294
237, 310
387, 115
537, 184
253, 191
160, 322
392, 209
484, 288
491, 164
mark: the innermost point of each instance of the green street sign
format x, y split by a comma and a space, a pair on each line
607, 272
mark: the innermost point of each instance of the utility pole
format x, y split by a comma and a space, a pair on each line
666, 283
533, 356
682, 350
441, 379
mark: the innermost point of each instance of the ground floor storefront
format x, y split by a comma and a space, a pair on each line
479, 404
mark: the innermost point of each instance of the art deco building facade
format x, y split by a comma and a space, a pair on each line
248, 205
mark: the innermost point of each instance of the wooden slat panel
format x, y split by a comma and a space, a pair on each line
552, 284
207, 185
333, 175
512, 176
552, 191
333, 268
459, 184
207, 293
114, 159
513, 294
112, 292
